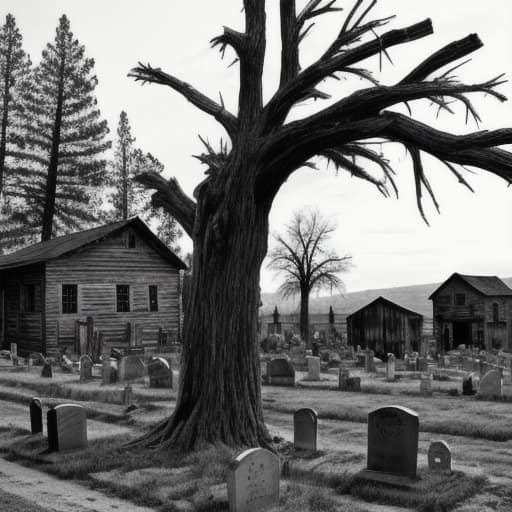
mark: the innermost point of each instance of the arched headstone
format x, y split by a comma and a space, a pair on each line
131, 368
390, 368
253, 481
440, 457
36, 416
160, 373
280, 371
393, 441
305, 429
86, 364
490, 384
67, 427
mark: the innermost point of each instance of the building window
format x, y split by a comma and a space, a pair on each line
460, 299
123, 298
153, 298
32, 293
131, 241
69, 298
495, 312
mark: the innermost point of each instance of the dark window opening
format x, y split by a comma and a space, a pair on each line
131, 241
69, 298
123, 298
153, 298
495, 312
32, 294
460, 299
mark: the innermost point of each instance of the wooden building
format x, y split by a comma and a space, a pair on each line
385, 327
118, 282
473, 311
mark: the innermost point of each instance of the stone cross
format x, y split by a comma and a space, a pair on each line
305, 429
440, 457
393, 441
253, 481
67, 428
36, 416
313, 368
86, 364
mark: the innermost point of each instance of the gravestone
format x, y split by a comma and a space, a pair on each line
490, 384
393, 441
160, 373
14, 354
343, 375
36, 416
305, 429
369, 364
390, 368
131, 368
440, 457
425, 386
313, 368
67, 428
47, 370
253, 481
280, 372
86, 364
467, 385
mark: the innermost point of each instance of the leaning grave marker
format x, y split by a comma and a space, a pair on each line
253, 481
67, 427
393, 441
305, 429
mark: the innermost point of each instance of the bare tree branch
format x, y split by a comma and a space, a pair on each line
145, 73
170, 196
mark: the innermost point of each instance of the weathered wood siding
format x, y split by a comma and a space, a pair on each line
498, 334
22, 327
96, 270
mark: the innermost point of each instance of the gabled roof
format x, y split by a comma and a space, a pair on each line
386, 302
57, 247
485, 285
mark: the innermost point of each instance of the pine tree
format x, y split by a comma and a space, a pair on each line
66, 138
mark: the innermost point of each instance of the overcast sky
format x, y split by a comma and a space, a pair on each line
389, 242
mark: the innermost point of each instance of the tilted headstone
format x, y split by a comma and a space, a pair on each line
305, 429
425, 385
253, 481
440, 457
36, 416
313, 368
393, 441
467, 385
86, 364
67, 428
280, 372
390, 368
131, 368
491, 384
160, 373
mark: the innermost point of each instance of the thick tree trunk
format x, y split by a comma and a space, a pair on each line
304, 316
219, 396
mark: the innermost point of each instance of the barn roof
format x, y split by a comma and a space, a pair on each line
386, 302
56, 247
485, 285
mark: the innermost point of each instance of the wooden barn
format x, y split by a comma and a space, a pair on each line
385, 327
475, 311
117, 282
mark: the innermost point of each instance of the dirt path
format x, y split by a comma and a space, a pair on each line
55, 495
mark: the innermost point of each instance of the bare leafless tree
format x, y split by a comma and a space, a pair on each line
219, 390
305, 260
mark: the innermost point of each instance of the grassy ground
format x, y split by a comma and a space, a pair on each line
13, 503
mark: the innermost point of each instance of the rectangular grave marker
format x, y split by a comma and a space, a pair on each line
305, 429
86, 364
313, 368
36, 416
67, 428
160, 373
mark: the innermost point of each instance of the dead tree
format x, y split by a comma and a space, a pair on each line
219, 389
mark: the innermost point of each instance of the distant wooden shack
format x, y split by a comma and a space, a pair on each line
117, 280
473, 311
384, 327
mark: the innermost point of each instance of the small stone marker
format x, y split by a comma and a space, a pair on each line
305, 429
393, 441
253, 481
280, 372
36, 416
14, 354
390, 368
440, 457
343, 375
86, 364
160, 373
67, 428
313, 368
47, 370
425, 386
467, 384
491, 384
131, 368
